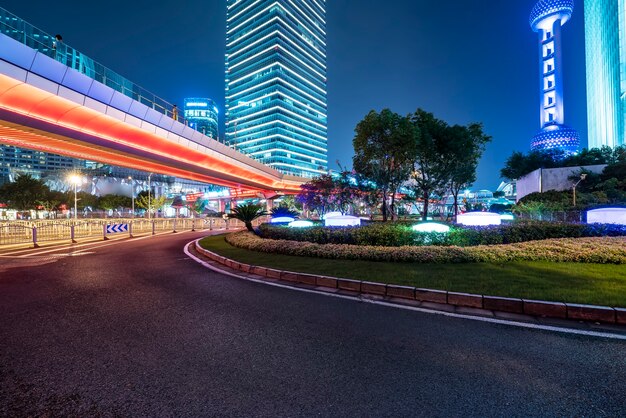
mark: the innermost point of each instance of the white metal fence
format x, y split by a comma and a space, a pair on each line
25, 232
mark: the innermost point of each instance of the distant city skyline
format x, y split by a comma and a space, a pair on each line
482, 67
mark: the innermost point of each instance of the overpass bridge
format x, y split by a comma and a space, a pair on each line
56, 100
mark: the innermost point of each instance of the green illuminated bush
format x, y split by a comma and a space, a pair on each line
401, 234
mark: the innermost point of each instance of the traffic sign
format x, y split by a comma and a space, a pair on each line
116, 228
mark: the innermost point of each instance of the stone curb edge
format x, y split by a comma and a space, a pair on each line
536, 308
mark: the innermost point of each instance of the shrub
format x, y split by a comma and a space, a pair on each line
603, 250
401, 234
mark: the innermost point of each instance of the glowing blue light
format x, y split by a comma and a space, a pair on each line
301, 224
607, 216
564, 138
507, 217
342, 221
332, 215
479, 219
561, 9
197, 104
282, 220
431, 227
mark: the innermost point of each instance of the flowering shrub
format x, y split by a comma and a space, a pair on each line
605, 250
401, 234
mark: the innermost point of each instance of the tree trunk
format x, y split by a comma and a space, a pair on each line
426, 197
455, 195
384, 208
249, 226
393, 205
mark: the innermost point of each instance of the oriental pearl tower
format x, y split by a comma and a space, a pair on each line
547, 18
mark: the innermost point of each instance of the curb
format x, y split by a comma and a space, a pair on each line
535, 308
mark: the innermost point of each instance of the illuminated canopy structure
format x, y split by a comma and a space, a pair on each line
428, 227
607, 216
342, 220
547, 18
301, 224
282, 220
479, 219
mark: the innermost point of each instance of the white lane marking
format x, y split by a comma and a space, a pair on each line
414, 308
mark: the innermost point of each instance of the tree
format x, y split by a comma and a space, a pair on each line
199, 206
24, 193
431, 159
113, 201
52, 201
248, 213
316, 194
466, 145
383, 147
520, 164
344, 193
149, 203
84, 199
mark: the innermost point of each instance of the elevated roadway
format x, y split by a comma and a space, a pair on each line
48, 106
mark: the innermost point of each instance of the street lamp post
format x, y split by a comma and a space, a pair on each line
149, 195
132, 194
582, 177
75, 179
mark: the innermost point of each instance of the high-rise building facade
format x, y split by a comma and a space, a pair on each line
547, 18
203, 116
16, 161
276, 102
605, 46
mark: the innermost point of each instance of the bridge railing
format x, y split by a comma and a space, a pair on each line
35, 38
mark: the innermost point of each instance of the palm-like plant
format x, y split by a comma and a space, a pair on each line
248, 213
282, 211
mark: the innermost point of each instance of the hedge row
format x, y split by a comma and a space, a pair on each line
397, 235
606, 250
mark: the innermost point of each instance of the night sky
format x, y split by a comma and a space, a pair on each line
465, 61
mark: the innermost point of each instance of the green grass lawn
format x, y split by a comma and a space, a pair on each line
599, 284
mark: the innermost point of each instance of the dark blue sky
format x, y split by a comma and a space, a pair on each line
463, 60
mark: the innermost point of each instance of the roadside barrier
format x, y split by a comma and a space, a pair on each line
40, 231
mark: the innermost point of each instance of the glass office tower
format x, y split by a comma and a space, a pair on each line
202, 115
605, 42
276, 109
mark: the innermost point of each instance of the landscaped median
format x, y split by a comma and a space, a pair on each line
604, 250
516, 286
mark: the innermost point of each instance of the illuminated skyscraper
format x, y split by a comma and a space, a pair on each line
605, 42
276, 109
546, 19
203, 116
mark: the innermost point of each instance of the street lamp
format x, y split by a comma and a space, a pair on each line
75, 180
132, 194
149, 195
582, 177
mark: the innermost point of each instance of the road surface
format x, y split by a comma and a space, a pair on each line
137, 328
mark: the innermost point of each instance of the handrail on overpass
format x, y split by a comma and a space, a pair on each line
28, 34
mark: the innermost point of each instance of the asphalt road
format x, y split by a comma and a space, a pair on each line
138, 329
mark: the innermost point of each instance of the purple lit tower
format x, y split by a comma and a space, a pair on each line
546, 19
